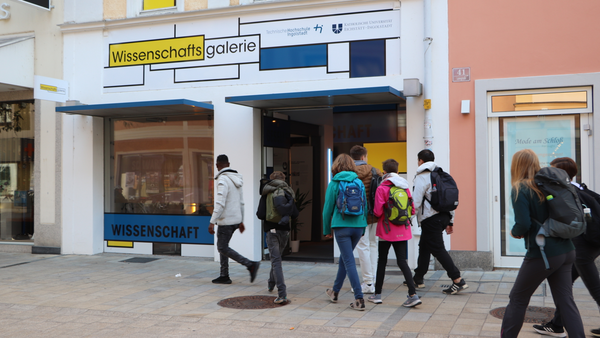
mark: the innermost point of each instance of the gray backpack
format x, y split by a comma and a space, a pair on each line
566, 217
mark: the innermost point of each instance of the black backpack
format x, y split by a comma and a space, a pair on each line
444, 192
566, 218
590, 199
375, 182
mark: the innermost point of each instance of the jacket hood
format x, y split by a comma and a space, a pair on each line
233, 175
363, 171
348, 176
273, 185
426, 166
396, 180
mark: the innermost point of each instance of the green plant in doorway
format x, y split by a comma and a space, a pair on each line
301, 203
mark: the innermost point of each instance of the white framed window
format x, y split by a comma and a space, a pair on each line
153, 7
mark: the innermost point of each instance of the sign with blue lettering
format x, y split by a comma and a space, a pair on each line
183, 229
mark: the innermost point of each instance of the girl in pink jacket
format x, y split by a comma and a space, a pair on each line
391, 234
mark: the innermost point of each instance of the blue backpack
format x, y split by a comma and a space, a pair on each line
351, 198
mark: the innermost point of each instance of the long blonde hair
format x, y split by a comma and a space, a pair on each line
525, 164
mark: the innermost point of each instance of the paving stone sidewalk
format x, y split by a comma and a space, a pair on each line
102, 296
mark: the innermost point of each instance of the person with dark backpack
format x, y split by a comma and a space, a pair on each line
530, 210
339, 218
430, 191
587, 249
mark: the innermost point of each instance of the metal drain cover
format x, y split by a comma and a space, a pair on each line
251, 302
139, 260
534, 314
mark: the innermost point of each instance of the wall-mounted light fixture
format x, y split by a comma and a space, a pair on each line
412, 88
465, 106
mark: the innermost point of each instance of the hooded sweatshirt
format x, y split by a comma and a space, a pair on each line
396, 233
285, 205
229, 200
422, 190
332, 218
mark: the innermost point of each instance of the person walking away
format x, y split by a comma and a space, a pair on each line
276, 226
347, 228
396, 235
432, 223
530, 208
367, 246
228, 215
587, 249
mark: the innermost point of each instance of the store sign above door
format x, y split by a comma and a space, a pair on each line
184, 229
253, 49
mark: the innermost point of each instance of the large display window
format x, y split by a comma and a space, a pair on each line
160, 168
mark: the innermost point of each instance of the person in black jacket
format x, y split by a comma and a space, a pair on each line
277, 233
586, 253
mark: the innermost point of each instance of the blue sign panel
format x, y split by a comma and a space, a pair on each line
184, 229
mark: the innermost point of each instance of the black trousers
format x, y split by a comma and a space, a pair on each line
432, 243
400, 250
531, 274
585, 255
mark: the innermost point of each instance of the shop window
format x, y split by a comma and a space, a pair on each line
16, 171
555, 100
162, 166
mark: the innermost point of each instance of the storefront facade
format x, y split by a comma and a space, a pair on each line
532, 84
275, 86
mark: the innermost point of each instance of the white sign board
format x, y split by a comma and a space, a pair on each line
46, 88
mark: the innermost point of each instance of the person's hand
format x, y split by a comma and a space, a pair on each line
449, 229
330, 236
242, 228
211, 229
513, 236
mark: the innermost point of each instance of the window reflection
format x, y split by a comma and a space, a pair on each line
162, 166
544, 101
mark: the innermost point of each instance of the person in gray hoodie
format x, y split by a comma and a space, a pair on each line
228, 214
432, 224
277, 233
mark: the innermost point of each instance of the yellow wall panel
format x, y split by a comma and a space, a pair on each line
379, 152
154, 4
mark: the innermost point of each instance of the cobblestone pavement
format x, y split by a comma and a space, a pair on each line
102, 296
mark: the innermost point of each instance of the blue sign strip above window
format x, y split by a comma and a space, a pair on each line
184, 229
293, 57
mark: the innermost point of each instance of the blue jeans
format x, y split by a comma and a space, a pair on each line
347, 238
276, 243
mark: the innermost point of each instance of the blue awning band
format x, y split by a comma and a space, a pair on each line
322, 98
140, 109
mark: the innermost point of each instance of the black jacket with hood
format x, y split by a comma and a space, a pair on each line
286, 208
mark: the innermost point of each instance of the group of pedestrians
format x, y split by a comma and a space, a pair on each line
372, 236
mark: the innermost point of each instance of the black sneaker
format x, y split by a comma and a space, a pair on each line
456, 287
595, 332
280, 300
253, 270
222, 280
419, 283
550, 329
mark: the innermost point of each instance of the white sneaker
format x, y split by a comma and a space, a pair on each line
366, 288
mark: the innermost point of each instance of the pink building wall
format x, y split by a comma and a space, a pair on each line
506, 39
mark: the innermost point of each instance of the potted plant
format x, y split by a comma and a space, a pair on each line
301, 203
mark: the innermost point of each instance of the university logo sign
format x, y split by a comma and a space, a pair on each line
337, 28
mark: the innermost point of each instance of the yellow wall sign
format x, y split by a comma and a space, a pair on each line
427, 103
189, 48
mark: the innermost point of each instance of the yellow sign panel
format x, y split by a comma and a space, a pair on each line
427, 103
48, 88
189, 48
119, 244
155, 4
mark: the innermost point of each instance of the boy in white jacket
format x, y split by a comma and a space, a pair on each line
228, 214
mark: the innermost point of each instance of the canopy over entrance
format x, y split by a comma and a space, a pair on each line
140, 109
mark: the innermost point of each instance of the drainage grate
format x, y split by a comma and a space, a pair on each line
534, 314
250, 302
139, 260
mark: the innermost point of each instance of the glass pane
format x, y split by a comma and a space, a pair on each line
549, 137
162, 166
155, 4
546, 101
16, 171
